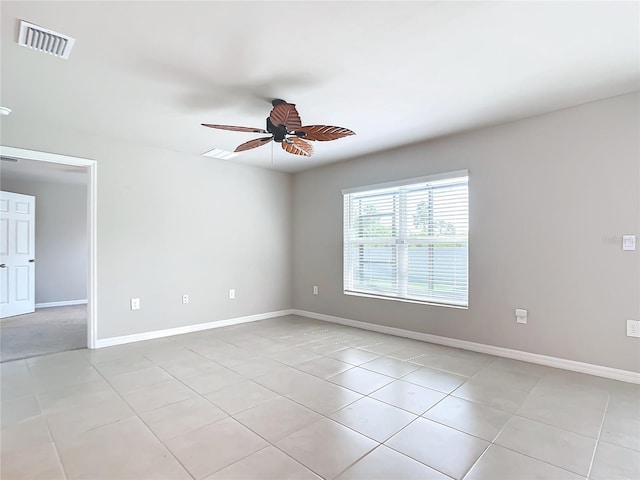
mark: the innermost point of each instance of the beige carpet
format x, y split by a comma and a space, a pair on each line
48, 330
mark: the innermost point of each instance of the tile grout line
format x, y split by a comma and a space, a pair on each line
136, 414
46, 421
489, 443
537, 459
238, 421
484, 452
515, 414
118, 393
269, 442
264, 448
325, 416
144, 423
407, 455
492, 442
363, 396
595, 448
411, 422
358, 459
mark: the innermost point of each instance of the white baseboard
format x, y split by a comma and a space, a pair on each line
137, 337
65, 303
588, 368
572, 365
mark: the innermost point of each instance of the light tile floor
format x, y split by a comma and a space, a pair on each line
294, 398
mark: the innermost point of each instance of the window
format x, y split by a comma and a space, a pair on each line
408, 240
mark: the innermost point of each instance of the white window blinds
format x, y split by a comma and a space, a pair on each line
409, 240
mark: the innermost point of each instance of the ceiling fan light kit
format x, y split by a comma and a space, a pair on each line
285, 127
219, 153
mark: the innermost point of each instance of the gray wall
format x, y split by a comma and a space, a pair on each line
550, 197
61, 238
172, 223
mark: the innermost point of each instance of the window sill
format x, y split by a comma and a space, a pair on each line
406, 300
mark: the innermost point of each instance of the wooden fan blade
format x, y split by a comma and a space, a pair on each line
234, 128
287, 115
324, 133
298, 147
256, 142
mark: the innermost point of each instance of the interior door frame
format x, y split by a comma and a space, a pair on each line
92, 212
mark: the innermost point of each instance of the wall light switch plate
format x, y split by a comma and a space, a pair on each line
628, 242
232, 294
315, 289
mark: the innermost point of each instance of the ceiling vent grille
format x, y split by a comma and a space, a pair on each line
44, 40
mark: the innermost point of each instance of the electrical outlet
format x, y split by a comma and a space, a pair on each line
315, 289
135, 304
232, 293
633, 328
521, 315
185, 298
628, 242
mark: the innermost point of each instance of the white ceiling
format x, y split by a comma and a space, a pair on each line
32, 170
394, 72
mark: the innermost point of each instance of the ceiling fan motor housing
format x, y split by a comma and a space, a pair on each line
279, 132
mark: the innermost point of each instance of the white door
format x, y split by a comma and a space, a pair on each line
17, 254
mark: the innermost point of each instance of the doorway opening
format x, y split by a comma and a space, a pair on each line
89, 167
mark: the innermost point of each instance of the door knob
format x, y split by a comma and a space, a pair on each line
2, 265
32, 260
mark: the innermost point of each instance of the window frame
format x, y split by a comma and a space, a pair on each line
403, 240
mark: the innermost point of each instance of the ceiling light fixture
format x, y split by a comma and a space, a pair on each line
221, 154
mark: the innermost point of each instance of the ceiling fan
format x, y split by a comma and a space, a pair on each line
285, 127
